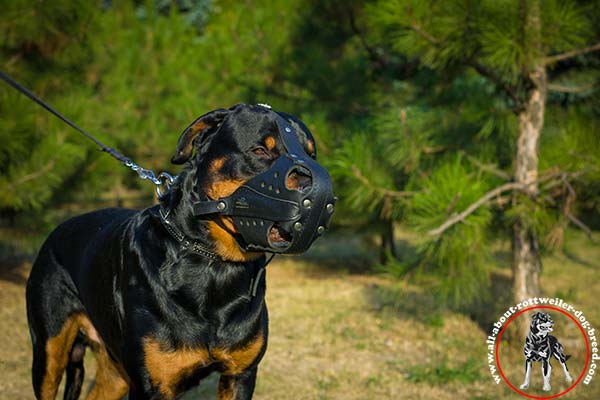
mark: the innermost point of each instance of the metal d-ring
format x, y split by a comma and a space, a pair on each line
165, 181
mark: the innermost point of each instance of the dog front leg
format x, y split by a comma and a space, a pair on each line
525, 384
237, 387
546, 370
566, 371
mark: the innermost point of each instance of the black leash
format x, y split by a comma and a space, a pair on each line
162, 179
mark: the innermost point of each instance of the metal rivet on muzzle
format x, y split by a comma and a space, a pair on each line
287, 129
221, 206
307, 203
320, 230
329, 208
297, 226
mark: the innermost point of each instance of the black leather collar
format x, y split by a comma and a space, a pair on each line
185, 243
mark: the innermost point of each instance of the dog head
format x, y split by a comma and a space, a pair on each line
541, 324
225, 149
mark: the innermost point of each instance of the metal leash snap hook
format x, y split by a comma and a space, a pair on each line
165, 180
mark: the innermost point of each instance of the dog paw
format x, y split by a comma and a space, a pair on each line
569, 379
524, 386
547, 388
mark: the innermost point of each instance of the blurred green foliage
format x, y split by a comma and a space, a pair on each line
411, 132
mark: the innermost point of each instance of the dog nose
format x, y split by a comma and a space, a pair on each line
299, 179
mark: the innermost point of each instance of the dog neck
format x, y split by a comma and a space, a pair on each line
215, 233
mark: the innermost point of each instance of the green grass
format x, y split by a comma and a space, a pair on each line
441, 373
348, 335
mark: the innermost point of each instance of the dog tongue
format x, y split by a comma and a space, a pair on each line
275, 235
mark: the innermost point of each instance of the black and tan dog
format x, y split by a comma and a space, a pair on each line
164, 302
540, 346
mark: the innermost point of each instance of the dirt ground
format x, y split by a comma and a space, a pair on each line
337, 335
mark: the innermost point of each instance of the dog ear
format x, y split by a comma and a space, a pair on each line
303, 130
199, 126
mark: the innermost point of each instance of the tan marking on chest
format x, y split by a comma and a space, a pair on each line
166, 368
237, 361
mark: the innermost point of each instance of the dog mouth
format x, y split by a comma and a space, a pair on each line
279, 237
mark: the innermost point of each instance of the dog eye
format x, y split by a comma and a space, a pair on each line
261, 152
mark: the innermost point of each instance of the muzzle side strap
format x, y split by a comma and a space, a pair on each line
209, 207
256, 280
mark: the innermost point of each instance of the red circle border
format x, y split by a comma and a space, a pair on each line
587, 355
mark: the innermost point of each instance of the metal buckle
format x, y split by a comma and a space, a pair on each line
165, 180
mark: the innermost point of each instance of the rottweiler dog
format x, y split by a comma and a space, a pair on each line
162, 303
541, 346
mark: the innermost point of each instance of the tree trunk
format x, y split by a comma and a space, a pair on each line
526, 259
388, 247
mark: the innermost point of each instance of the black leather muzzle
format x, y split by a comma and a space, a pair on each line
265, 204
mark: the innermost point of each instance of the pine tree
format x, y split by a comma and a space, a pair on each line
515, 46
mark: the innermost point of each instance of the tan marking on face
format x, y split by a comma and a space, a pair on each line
167, 368
216, 165
270, 142
227, 247
310, 146
237, 361
223, 188
225, 244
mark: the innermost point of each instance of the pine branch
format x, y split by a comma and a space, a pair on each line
570, 54
570, 89
34, 175
374, 56
433, 149
422, 33
386, 192
469, 210
417, 28
510, 90
490, 168
581, 226
563, 176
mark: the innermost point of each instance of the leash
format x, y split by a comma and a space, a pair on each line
163, 178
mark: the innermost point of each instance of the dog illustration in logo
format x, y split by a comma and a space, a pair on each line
540, 346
